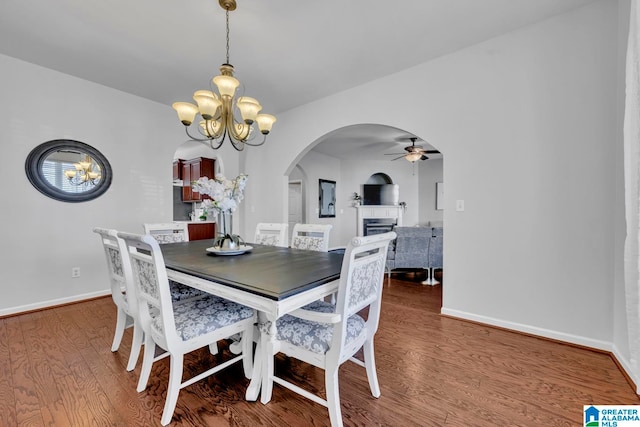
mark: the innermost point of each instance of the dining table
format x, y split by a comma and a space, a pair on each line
270, 279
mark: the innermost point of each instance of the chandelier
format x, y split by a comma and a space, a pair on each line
218, 111
86, 173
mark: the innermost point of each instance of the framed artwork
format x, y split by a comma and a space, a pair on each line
327, 196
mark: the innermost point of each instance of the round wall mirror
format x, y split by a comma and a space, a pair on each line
68, 170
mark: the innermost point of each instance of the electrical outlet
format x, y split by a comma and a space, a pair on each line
75, 272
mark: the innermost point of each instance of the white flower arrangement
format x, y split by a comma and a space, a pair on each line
225, 194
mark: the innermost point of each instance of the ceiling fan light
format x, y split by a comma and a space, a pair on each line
413, 157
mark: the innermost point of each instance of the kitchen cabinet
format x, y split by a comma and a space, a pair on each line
193, 169
201, 230
177, 169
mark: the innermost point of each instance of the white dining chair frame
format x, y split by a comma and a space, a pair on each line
144, 251
361, 283
123, 293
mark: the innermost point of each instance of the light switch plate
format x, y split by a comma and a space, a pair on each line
459, 205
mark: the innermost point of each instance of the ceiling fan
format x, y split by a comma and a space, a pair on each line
414, 152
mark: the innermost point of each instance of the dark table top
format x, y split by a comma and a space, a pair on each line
273, 272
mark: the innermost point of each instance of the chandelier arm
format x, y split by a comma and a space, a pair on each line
264, 139
193, 138
230, 122
219, 144
239, 146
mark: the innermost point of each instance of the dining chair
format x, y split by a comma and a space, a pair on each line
122, 292
173, 232
314, 237
181, 328
272, 234
168, 232
326, 335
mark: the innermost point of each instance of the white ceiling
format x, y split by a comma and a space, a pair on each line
286, 52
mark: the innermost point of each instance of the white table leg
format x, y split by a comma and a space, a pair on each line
256, 376
268, 340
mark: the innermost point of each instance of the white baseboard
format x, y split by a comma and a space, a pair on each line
546, 333
52, 303
623, 363
626, 367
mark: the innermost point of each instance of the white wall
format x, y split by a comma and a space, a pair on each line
430, 173
312, 167
45, 238
527, 124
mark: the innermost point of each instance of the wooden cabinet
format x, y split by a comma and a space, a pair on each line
206, 230
192, 170
177, 169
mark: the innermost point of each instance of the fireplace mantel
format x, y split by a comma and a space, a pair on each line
378, 211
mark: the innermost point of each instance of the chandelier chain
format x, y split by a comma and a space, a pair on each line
228, 37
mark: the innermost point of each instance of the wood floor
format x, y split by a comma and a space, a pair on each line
56, 369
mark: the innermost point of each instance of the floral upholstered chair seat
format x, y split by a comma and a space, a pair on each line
316, 336
204, 315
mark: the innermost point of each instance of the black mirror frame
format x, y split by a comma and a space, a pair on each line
321, 214
37, 156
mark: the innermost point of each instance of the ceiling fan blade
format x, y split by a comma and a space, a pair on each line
401, 157
431, 151
393, 154
423, 157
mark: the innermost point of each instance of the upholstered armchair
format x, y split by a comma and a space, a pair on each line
416, 247
410, 249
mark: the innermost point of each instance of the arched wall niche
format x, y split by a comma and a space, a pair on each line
379, 178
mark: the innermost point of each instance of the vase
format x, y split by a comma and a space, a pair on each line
226, 238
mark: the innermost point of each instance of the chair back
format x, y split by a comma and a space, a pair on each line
313, 237
272, 234
149, 273
435, 248
361, 281
122, 286
168, 232
412, 247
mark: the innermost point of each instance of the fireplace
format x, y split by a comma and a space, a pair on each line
378, 219
377, 225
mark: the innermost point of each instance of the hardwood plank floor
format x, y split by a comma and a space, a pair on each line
56, 369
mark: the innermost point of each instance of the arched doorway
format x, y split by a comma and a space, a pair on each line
352, 154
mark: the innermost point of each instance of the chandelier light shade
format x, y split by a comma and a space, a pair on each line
220, 111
